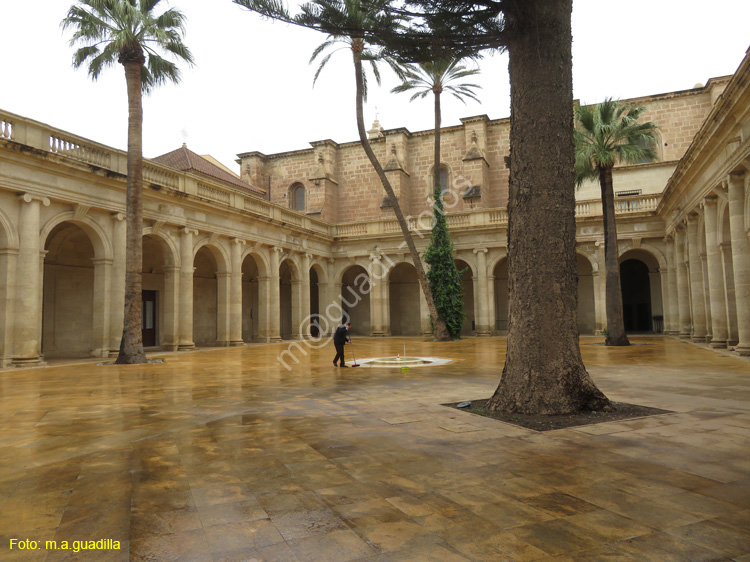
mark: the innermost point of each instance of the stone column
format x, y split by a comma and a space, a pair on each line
8, 264
170, 309
235, 293
377, 274
101, 322
740, 259
696, 281
117, 288
303, 327
671, 314
274, 296
296, 305
28, 312
719, 332
683, 287
726, 262
480, 303
705, 294
186, 289
223, 315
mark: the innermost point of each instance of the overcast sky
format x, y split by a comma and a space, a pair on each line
251, 88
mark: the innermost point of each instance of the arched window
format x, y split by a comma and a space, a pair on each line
297, 197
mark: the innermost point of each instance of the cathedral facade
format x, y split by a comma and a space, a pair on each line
300, 239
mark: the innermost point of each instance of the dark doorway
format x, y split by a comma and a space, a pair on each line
148, 318
636, 296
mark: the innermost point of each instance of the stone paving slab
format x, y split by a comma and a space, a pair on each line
225, 455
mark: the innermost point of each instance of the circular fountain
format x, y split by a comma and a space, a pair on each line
402, 362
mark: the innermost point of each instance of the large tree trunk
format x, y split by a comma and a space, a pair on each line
613, 293
440, 330
544, 372
436, 172
131, 346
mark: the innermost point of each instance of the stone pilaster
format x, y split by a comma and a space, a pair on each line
740, 259
683, 286
705, 293
28, 312
717, 296
726, 261
186, 289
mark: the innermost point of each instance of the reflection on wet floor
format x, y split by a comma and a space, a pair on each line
225, 455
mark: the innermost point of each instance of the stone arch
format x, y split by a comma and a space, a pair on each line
254, 295
404, 300
71, 320
160, 278
219, 252
100, 241
289, 296
261, 260
467, 285
209, 276
354, 300
172, 256
8, 234
640, 281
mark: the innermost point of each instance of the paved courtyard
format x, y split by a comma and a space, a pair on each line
224, 455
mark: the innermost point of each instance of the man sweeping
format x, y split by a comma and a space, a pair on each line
340, 338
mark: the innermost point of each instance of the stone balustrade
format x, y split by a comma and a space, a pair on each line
67, 145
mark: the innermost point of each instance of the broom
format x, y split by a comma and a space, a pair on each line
355, 364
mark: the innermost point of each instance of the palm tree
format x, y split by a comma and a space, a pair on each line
130, 33
436, 77
347, 23
606, 134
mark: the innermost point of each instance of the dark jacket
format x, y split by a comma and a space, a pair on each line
341, 336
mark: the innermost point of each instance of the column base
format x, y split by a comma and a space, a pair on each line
186, 346
698, 339
236, 343
742, 350
275, 339
483, 333
684, 335
36, 361
718, 344
170, 347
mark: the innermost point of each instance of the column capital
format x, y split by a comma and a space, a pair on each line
309, 256
29, 197
117, 217
736, 176
712, 199
238, 241
170, 269
102, 261
188, 230
693, 216
277, 249
480, 250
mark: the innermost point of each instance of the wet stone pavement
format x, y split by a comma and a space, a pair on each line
224, 455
